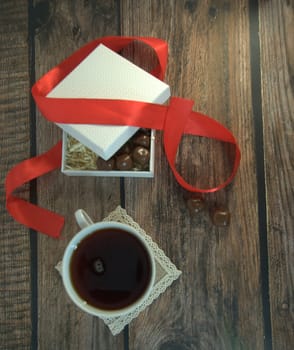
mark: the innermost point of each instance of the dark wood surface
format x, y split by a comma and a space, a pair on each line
15, 254
236, 291
277, 71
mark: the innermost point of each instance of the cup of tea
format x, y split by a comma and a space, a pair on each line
108, 269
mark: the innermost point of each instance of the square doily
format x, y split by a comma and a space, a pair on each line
166, 273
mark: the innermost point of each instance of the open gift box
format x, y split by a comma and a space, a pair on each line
105, 74
79, 160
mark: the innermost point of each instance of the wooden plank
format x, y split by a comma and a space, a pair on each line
63, 27
15, 303
216, 304
277, 69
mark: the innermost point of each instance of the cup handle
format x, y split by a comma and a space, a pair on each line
83, 219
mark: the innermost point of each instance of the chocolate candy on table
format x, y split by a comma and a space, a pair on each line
124, 162
141, 155
221, 217
195, 204
105, 164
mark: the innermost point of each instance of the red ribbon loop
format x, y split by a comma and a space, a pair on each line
175, 120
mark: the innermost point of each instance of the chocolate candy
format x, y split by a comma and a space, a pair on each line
195, 204
134, 155
125, 149
124, 162
145, 131
105, 164
141, 155
221, 217
140, 167
142, 140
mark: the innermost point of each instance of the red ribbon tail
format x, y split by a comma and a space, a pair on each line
26, 213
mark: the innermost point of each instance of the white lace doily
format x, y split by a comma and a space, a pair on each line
166, 273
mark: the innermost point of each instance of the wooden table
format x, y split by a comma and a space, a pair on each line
236, 60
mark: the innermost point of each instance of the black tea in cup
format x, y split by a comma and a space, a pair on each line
110, 269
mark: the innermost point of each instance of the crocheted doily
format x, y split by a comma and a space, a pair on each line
166, 273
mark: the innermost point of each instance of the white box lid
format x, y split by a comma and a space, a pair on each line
106, 74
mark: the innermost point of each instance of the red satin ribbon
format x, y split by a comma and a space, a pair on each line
175, 120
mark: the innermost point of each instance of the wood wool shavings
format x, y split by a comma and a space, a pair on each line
78, 156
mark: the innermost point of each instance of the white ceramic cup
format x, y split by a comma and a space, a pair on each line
87, 228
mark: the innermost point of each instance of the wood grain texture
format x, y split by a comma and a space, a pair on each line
15, 301
277, 72
63, 27
216, 304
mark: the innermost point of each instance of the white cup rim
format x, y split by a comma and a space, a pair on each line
66, 264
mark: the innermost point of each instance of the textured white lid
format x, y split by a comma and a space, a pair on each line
105, 74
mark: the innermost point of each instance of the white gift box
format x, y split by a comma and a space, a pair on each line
106, 74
